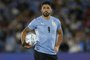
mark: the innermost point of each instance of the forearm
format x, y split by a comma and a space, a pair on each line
24, 33
59, 40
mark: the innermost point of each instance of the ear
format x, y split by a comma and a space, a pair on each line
51, 11
41, 9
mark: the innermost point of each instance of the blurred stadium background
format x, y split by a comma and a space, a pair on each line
74, 15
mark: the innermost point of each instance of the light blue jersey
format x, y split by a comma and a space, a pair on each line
46, 30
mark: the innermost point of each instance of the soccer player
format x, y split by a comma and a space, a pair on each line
49, 32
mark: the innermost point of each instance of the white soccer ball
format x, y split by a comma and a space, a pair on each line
31, 38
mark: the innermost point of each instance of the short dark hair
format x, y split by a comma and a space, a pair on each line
48, 3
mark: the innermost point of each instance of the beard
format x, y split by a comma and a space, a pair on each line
46, 14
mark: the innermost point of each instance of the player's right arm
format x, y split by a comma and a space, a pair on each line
23, 36
30, 28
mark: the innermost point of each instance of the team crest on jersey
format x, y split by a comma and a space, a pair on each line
53, 23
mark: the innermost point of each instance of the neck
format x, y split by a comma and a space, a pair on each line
47, 18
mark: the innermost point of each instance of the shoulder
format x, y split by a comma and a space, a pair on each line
36, 19
55, 19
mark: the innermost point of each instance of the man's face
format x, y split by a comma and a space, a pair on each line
46, 10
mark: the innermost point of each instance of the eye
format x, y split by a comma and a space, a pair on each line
48, 8
43, 7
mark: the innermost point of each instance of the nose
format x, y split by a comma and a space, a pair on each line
46, 9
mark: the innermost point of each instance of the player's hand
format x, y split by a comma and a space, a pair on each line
56, 49
26, 45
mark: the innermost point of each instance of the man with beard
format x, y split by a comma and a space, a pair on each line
49, 32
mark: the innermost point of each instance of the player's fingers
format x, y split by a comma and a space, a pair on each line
28, 46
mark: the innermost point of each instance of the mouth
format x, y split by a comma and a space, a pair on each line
46, 12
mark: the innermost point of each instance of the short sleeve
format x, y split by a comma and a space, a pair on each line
32, 24
59, 25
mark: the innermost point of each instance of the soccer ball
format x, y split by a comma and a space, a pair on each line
31, 39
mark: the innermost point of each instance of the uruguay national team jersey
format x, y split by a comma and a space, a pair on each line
46, 30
